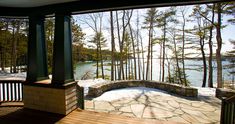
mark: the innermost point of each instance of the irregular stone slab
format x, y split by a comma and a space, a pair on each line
217, 111
125, 109
183, 101
164, 108
89, 104
162, 105
189, 119
197, 104
174, 104
205, 108
102, 105
179, 111
142, 99
138, 110
213, 116
122, 101
156, 105
151, 112
192, 112
115, 112
177, 119
203, 119
158, 99
128, 114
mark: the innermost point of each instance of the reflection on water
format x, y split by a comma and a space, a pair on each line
194, 76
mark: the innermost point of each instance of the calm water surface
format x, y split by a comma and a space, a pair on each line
194, 76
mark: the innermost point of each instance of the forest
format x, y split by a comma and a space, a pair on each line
131, 39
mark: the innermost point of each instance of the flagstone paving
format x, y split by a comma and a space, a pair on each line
204, 109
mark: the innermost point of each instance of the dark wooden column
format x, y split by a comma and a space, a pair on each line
62, 57
37, 57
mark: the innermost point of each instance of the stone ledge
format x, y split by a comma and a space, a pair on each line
98, 89
221, 92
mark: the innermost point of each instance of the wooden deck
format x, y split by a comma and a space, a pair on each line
19, 115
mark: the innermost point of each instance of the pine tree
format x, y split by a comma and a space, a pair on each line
164, 18
150, 23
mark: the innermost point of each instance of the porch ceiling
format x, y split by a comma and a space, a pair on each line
47, 7
30, 3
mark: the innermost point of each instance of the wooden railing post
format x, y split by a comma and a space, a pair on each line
80, 96
228, 110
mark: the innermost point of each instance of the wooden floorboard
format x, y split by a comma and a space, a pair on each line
19, 115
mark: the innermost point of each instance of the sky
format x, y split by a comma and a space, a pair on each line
227, 33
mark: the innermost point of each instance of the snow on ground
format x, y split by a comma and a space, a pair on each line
134, 92
131, 92
114, 94
13, 76
206, 91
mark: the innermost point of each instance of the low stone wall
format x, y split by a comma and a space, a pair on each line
98, 89
221, 92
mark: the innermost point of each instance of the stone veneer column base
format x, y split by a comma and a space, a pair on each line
46, 97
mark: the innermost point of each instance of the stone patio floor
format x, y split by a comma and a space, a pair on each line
161, 106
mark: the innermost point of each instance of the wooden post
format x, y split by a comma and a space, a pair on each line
62, 57
222, 111
37, 57
80, 96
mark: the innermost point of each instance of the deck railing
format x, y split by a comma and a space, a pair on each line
228, 110
11, 90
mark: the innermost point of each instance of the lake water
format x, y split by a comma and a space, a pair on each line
194, 76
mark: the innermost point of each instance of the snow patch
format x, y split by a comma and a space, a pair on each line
131, 92
206, 91
114, 94
13, 76
88, 83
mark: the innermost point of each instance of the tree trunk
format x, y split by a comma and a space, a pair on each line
132, 70
138, 47
163, 51
202, 43
121, 71
122, 42
183, 47
133, 48
149, 50
113, 46
169, 69
219, 46
177, 60
6, 41
204, 62
127, 65
13, 49
15, 46
101, 59
97, 60
160, 62
1, 51
210, 68
151, 58
142, 49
